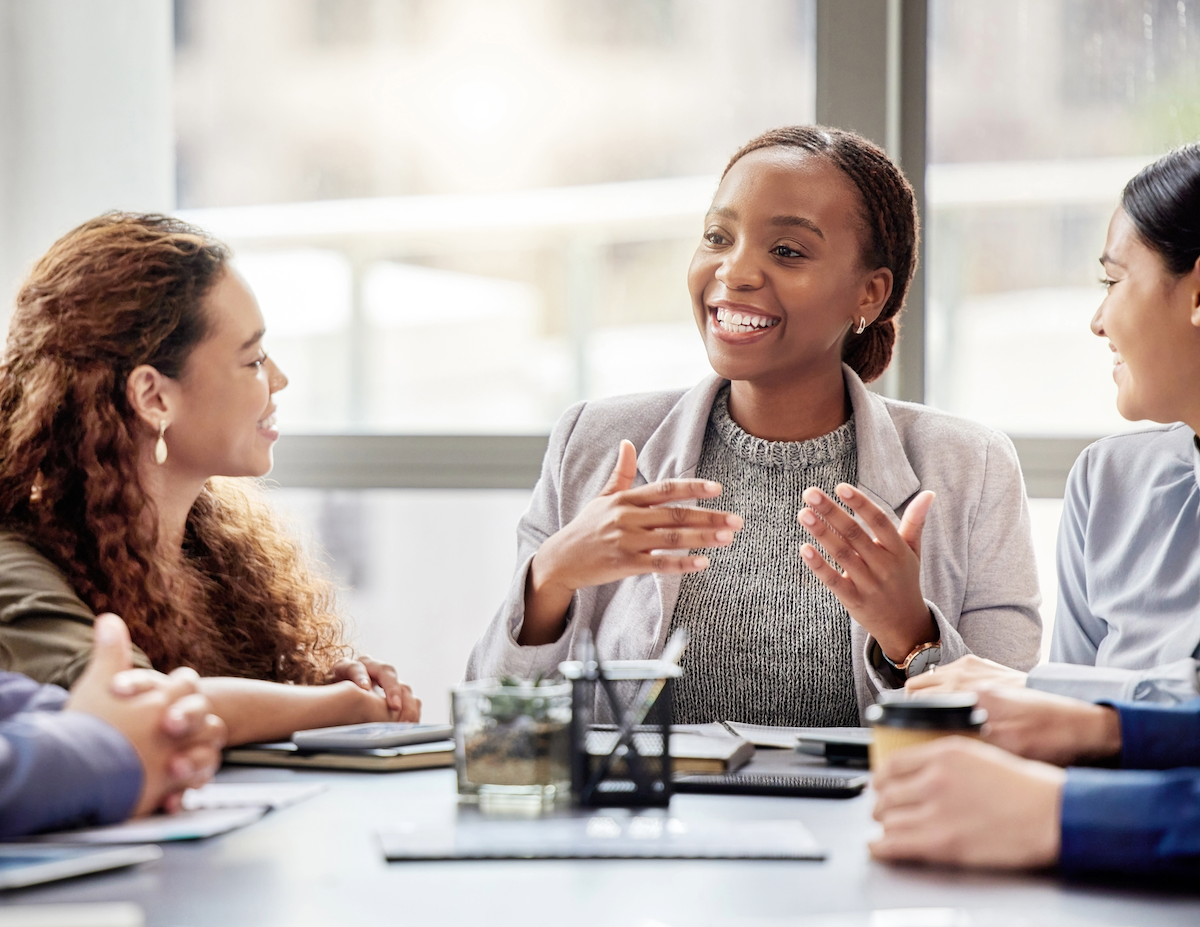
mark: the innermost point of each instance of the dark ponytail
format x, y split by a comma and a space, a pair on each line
1163, 201
889, 214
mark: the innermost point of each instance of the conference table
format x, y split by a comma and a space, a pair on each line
319, 862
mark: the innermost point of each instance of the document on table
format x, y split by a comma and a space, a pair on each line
217, 808
185, 825
272, 795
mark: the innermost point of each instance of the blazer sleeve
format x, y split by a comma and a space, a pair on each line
497, 652
999, 619
1077, 632
1131, 821
59, 769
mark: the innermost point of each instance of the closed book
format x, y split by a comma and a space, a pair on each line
387, 759
695, 748
708, 748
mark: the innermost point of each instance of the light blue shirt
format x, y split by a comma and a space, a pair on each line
1129, 571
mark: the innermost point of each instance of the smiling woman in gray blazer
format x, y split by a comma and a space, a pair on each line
798, 613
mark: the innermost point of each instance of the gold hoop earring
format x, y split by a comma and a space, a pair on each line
160, 448
862, 325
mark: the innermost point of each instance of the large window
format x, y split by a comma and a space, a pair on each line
1039, 112
462, 215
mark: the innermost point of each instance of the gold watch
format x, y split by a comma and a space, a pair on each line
923, 656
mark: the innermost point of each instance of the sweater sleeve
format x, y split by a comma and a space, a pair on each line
1131, 821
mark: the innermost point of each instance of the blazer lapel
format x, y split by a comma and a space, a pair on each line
884, 472
673, 452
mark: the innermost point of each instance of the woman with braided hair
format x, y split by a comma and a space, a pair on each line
135, 401
806, 256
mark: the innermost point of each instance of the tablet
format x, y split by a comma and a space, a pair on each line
375, 735
22, 865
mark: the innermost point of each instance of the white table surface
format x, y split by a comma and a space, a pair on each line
319, 862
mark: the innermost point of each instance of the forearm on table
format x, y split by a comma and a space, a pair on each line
255, 710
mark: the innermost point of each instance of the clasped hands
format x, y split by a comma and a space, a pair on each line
165, 717
627, 532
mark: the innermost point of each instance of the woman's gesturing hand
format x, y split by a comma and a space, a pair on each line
958, 802
622, 532
880, 579
366, 673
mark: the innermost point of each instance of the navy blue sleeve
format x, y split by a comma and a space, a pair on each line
59, 769
1131, 821
1159, 736
64, 769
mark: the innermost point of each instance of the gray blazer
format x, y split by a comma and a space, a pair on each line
977, 565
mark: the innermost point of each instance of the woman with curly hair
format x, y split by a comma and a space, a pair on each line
796, 285
136, 407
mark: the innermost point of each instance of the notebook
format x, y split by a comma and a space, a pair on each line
389, 759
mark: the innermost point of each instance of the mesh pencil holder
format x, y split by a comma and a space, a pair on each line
627, 762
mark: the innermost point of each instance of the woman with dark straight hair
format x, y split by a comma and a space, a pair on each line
824, 575
136, 398
1129, 567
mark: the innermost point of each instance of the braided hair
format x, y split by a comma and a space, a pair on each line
890, 228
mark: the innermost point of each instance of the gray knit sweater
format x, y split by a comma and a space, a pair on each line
769, 643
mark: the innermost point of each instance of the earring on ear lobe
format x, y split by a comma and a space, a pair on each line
160, 448
862, 325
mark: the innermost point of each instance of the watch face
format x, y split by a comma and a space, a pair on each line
931, 656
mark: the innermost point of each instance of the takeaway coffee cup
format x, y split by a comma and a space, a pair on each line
905, 722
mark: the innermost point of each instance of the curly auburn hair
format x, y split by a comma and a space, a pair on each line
117, 292
891, 228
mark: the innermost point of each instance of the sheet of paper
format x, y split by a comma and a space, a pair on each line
186, 825
762, 735
272, 795
116, 914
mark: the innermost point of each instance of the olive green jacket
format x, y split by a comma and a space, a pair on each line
45, 628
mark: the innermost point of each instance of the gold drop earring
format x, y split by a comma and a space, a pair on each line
160, 448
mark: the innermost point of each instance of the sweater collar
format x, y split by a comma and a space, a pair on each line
673, 450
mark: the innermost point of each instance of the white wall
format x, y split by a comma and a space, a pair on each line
85, 120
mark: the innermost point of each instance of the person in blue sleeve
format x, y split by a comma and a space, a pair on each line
121, 743
1127, 627
1132, 573
962, 802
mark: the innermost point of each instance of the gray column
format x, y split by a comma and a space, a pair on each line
871, 79
85, 120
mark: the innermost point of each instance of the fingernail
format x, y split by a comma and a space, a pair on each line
811, 496
710, 486
175, 720
700, 563
734, 521
183, 768
808, 517
106, 632
724, 536
807, 553
121, 685
845, 492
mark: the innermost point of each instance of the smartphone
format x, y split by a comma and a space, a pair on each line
374, 735
787, 785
